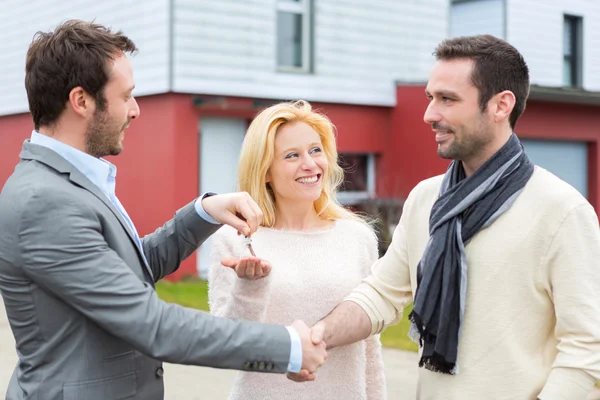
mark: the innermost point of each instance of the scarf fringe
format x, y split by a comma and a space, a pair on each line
436, 363
419, 335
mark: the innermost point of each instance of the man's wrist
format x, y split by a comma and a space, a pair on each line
295, 363
200, 209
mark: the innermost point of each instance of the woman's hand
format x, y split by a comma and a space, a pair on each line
251, 268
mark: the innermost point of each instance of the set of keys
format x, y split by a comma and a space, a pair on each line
248, 244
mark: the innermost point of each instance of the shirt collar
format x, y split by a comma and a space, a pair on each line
99, 171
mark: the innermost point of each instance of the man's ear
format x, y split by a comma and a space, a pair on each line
503, 104
81, 102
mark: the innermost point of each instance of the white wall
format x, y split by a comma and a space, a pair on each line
228, 47
146, 25
536, 29
361, 48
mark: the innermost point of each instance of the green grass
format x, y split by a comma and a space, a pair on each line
193, 293
396, 337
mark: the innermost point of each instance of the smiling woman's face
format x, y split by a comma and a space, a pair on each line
299, 164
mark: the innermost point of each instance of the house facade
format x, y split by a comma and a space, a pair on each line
204, 69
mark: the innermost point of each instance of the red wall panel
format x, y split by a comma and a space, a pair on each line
158, 168
360, 129
411, 155
558, 121
14, 129
414, 147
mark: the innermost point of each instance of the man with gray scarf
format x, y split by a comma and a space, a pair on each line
499, 256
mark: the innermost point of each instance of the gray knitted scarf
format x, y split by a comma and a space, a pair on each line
465, 206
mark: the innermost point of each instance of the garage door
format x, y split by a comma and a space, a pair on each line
220, 144
567, 160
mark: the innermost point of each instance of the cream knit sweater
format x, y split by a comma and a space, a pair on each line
312, 271
532, 320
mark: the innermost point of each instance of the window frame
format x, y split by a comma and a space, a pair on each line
353, 197
575, 58
304, 9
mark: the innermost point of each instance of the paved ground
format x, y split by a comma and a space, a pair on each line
178, 379
197, 383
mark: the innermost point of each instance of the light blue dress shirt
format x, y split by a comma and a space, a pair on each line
103, 174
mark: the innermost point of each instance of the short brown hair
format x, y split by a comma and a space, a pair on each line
76, 53
498, 66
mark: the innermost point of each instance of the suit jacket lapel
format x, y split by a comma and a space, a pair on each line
54, 160
78, 178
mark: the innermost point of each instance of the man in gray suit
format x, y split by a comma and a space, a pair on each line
76, 279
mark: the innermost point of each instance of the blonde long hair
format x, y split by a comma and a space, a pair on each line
257, 155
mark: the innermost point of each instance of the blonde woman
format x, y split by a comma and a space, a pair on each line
310, 253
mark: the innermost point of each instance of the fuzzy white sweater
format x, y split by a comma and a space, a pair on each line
312, 271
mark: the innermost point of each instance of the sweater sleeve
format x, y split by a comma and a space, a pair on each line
228, 295
375, 371
573, 280
374, 368
387, 290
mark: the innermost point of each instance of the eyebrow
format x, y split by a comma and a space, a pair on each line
295, 149
130, 89
443, 93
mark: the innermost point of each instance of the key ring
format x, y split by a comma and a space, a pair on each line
248, 245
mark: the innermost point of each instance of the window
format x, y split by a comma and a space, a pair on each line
473, 17
572, 49
294, 35
359, 180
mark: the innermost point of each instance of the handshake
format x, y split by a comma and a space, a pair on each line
314, 350
314, 347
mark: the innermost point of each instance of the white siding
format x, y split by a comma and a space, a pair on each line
477, 17
536, 30
228, 47
360, 49
147, 26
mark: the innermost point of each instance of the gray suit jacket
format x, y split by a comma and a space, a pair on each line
81, 302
